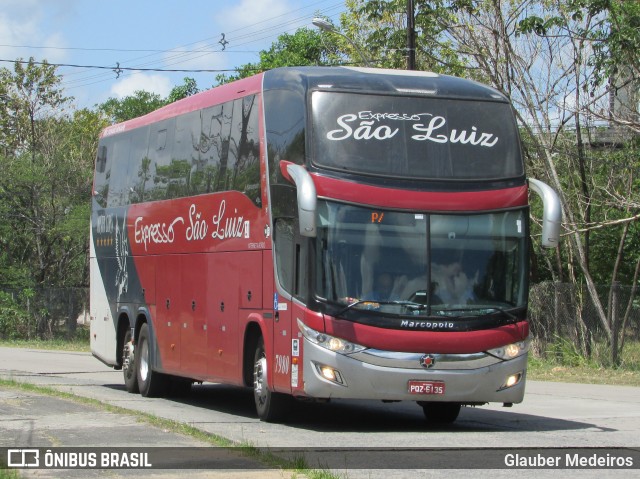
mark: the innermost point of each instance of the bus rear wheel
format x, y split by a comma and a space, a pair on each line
270, 406
440, 412
150, 382
129, 363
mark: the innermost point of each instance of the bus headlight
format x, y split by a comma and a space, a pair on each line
329, 342
511, 350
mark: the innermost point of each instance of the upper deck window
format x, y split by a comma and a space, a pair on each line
415, 137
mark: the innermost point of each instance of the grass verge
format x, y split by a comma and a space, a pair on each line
545, 370
245, 448
9, 474
81, 346
562, 361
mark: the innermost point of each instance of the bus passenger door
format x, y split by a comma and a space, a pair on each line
292, 268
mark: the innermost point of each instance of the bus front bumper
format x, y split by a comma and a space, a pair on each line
467, 379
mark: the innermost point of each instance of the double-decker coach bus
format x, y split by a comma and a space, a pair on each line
318, 233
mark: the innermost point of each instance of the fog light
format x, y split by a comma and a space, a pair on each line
512, 381
330, 374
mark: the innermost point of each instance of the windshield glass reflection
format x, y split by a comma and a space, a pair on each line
420, 264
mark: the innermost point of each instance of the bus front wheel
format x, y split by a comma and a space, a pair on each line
271, 406
440, 412
150, 382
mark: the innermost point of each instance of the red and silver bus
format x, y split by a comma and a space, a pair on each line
318, 233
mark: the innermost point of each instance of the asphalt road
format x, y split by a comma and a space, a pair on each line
555, 415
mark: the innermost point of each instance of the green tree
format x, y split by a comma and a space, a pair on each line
29, 93
303, 48
132, 106
615, 34
47, 159
381, 25
178, 92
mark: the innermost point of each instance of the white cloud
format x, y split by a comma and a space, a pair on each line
152, 83
23, 23
250, 12
198, 60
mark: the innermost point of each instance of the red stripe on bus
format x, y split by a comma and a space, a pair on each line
422, 200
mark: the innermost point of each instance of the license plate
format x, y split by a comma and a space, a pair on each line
426, 387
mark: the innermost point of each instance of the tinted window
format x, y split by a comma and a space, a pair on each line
198, 141
245, 149
103, 172
119, 172
215, 149
415, 137
139, 167
285, 125
283, 243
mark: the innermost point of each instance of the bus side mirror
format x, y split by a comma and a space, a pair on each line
306, 196
552, 215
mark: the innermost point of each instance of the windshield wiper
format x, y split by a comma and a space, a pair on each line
445, 311
479, 311
408, 304
512, 317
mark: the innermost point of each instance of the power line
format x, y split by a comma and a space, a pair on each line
119, 69
179, 55
118, 50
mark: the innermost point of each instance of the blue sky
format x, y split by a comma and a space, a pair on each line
155, 34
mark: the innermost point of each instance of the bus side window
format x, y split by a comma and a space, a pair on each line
197, 142
153, 171
245, 149
139, 166
221, 140
102, 174
283, 244
119, 171
285, 129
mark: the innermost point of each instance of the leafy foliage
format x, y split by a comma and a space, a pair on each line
132, 106
45, 188
29, 93
303, 48
382, 24
14, 319
615, 35
188, 88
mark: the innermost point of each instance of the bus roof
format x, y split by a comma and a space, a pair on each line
304, 78
380, 80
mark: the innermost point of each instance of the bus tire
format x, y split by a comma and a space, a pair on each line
270, 406
150, 382
440, 412
129, 369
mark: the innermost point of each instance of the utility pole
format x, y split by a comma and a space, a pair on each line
411, 36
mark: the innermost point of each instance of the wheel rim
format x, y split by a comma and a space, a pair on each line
260, 381
128, 358
144, 361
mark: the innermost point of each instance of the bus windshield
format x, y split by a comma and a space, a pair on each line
415, 137
420, 264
